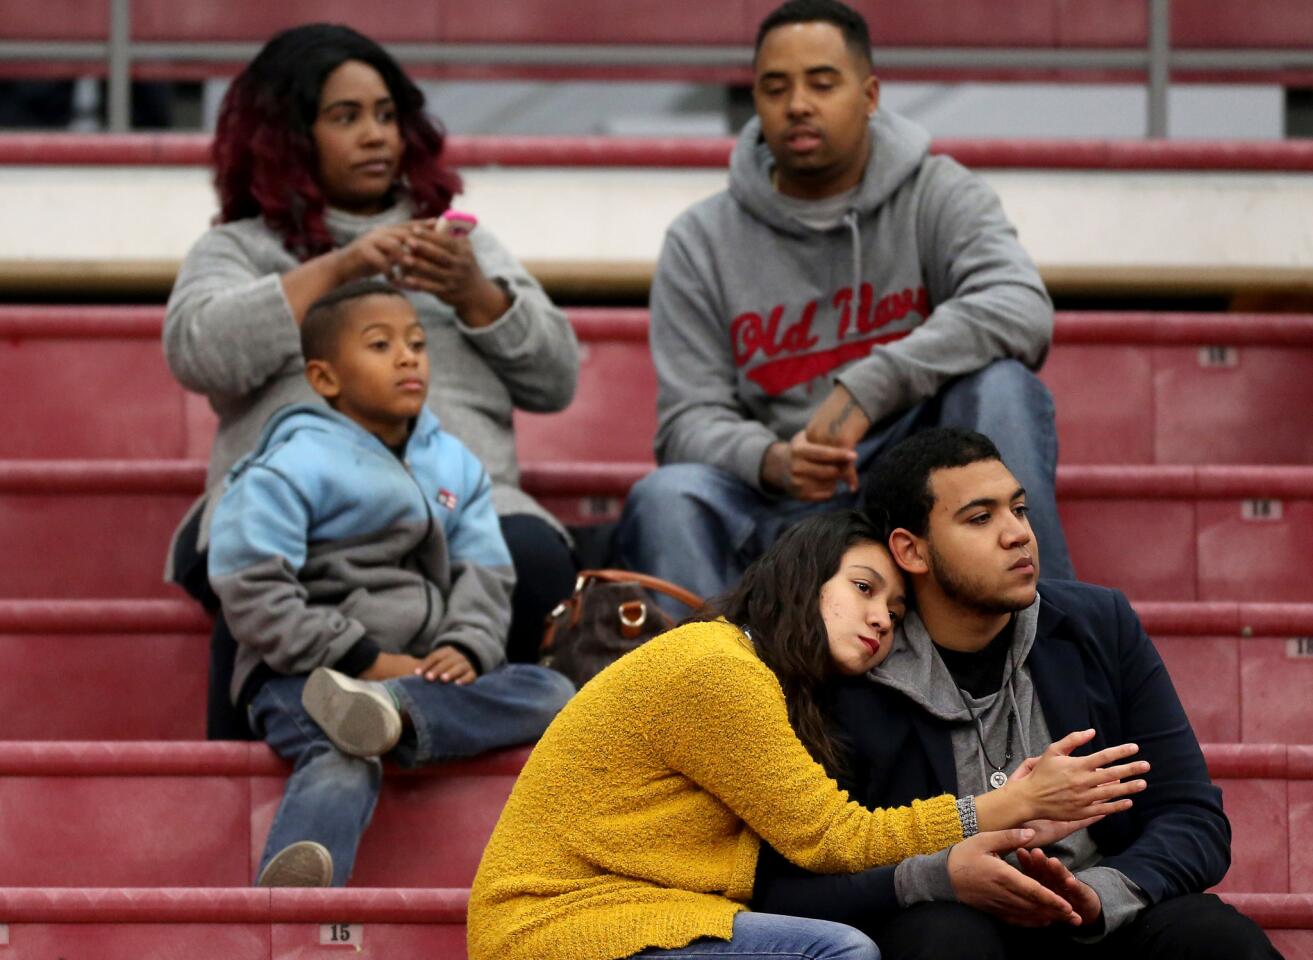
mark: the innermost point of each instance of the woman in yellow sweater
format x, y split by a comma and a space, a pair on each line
633, 829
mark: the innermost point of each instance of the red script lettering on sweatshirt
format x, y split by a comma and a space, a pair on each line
752, 334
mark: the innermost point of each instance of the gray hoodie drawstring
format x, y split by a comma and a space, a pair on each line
984, 774
1010, 689
850, 218
1012, 699
1012, 703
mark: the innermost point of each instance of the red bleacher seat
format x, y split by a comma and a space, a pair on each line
230, 924
1037, 24
1181, 388
1104, 402
139, 814
105, 670
1029, 23
1156, 532
466, 151
1243, 671
1276, 676
226, 924
429, 828
614, 417
1205, 533
1266, 800
1241, 674
99, 814
100, 528
1232, 414
1150, 401
1129, 388
108, 686
1287, 919
131, 814
1194, 24
88, 379
1206, 673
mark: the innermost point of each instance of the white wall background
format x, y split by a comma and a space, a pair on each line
1076, 218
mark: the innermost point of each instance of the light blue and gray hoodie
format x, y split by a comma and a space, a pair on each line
755, 313
326, 549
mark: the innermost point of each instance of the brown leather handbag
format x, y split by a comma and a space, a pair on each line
609, 614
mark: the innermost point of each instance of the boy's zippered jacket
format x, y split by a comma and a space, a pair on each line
326, 549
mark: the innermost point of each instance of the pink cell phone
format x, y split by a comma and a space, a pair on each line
460, 224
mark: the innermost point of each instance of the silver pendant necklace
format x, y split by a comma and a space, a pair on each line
999, 777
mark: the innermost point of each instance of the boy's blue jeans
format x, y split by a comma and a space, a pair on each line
769, 936
330, 796
700, 526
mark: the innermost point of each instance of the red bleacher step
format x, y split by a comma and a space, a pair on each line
196, 814
1129, 388
248, 924
1242, 669
695, 42
1287, 919
1157, 532
169, 149
103, 669
142, 814
231, 924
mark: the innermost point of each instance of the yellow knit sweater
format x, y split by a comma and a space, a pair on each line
636, 821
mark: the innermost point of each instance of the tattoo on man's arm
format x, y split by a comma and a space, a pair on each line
837, 423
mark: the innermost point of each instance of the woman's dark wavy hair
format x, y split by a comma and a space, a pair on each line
265, 163
778, 601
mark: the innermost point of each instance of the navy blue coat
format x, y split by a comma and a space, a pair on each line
1092, 666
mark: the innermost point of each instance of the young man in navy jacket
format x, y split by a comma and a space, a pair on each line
988, 668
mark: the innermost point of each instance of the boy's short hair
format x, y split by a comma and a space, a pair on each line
897, 491
850, 23
324, 320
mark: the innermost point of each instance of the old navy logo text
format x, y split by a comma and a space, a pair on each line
789, 363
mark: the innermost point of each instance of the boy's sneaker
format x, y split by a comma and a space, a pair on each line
359, 716
301, 864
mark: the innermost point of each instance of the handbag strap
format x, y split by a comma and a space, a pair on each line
691, 600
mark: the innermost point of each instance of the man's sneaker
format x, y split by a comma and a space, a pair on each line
301, 864
357, 715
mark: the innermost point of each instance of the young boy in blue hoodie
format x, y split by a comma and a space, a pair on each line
362, 570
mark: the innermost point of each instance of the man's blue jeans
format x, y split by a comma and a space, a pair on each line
330, 796
769, 936
700, 527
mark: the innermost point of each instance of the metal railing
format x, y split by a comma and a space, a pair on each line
1157, 60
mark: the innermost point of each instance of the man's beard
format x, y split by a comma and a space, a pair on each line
967, 592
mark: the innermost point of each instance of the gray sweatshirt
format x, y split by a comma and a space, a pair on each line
915, 670
755, 314
229, 334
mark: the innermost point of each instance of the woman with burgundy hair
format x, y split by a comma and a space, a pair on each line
328, 171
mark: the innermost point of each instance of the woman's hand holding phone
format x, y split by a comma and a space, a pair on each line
442, 263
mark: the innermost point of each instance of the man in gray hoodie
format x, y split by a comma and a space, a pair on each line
847, 290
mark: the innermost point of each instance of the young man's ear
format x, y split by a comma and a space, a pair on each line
909, 551
323, 378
